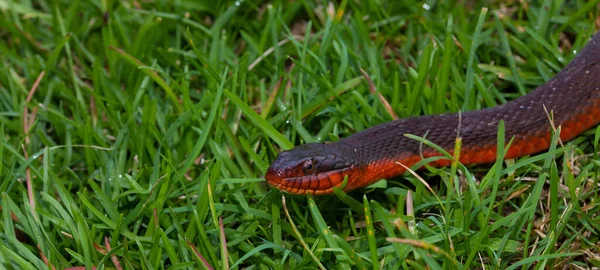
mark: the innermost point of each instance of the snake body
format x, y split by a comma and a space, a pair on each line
572, 97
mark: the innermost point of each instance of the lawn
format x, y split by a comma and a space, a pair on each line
136, 134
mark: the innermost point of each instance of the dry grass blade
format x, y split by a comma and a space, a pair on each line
270, 50
224, 251
26, 118
299, 235
199, 255
29, 184
421, 244
113, 257
373, 90
45, 259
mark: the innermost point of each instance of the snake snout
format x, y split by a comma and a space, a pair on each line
273, 177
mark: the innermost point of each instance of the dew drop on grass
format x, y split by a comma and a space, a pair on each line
426, 6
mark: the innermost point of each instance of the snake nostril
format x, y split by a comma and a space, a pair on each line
272, 176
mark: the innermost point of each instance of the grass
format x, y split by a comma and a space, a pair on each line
136, 134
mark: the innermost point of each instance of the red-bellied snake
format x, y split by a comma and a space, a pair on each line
573, 97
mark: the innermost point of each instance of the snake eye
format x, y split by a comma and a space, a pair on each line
308, 168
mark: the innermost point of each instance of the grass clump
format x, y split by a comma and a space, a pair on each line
136, 134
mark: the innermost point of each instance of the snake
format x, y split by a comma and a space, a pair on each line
569, 100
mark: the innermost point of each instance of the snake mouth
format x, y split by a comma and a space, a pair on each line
320, 184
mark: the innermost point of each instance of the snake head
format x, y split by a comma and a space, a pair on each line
311, 168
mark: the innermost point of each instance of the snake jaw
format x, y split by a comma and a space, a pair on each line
320, 184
